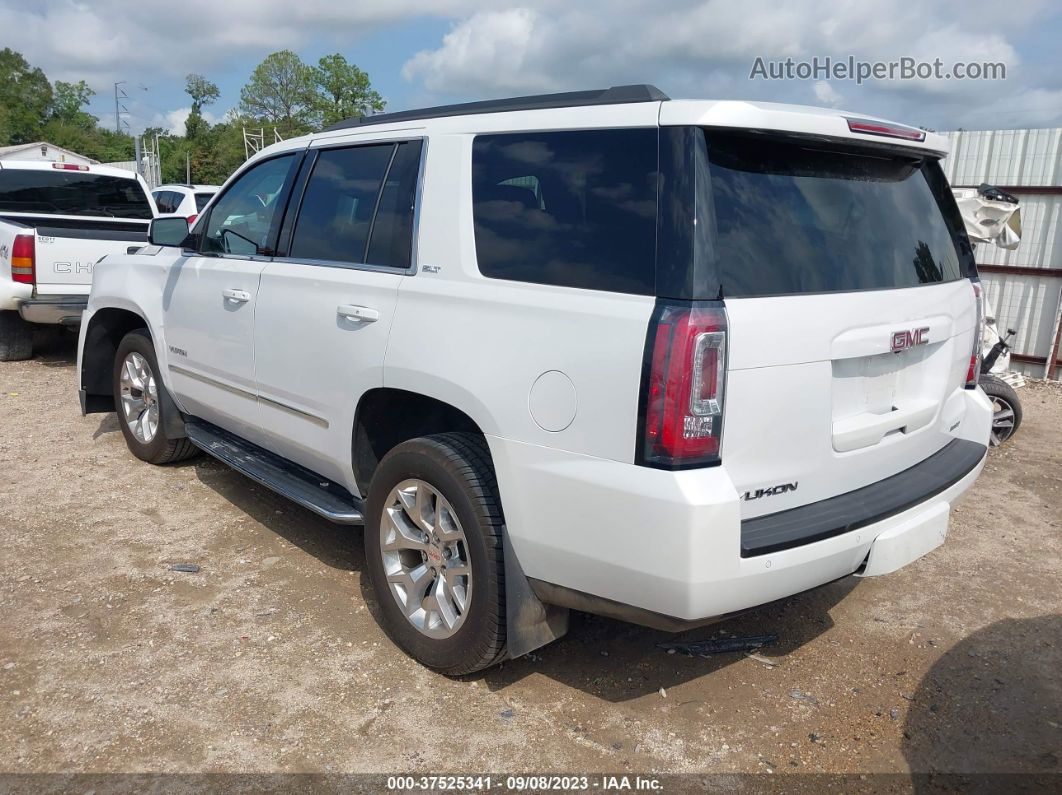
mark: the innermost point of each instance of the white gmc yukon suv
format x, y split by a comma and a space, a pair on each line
658, 360
56, 221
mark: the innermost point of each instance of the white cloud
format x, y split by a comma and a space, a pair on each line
497, 47
111, 39
826, 94
706, 48
174, 120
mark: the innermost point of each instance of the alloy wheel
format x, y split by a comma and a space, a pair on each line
1002, 420
139, 397
425, 558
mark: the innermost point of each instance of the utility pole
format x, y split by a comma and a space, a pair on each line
119, 108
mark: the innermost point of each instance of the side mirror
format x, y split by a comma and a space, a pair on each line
168, 231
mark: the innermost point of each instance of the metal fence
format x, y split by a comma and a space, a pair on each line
1024, 285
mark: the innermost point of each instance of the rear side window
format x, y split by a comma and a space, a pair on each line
794, 218
574, 209
358, 206
201, 200
167, 201
63, 192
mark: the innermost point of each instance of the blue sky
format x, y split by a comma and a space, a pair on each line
452, 50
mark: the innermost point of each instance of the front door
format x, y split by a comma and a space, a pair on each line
210, 297
325, 308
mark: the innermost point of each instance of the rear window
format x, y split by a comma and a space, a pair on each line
62, 192
794, 218
201, 200
576, 209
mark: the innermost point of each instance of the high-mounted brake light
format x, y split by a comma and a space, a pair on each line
684, 385
23, 259
869, 127
70, 167
973, 372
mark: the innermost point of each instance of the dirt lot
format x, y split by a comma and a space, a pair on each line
269, 658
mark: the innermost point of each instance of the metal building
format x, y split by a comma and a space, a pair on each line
1024, 285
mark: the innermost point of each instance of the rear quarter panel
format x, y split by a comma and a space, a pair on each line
481, 344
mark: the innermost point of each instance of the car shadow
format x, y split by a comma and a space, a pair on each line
990, 708
617, 661
108, 424
55, 347
610, 659
337, 546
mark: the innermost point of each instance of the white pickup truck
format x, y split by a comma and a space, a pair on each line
57, 220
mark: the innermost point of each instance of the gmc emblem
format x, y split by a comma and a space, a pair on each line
902, 340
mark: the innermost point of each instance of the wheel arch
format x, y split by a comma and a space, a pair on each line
387, 416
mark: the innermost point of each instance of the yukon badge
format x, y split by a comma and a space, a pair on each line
771, 491
902, 340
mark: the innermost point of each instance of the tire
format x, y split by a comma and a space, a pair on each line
461, 498
147, 439
1006, 409
16, 338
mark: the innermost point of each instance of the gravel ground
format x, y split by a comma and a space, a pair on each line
268, 659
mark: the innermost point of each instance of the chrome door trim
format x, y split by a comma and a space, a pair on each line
206, 379
299, 412
176, 368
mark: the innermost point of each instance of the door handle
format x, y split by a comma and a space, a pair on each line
363, 313
239, 296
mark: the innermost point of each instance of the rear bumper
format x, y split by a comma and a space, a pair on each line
665, 548
62, 310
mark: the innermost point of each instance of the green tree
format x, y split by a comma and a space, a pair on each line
68, 101
343, 90
25, 96
203, 92
281, 92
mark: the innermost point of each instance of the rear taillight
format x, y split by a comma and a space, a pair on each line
191, 219
973, 372
683, 386
23, 259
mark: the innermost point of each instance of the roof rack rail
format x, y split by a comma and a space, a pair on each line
617, 95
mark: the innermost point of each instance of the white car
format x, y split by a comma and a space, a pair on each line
186, 200
57, 220
659, 360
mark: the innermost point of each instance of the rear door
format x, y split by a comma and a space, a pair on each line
851, 317
211, 294
79, 216
325, 307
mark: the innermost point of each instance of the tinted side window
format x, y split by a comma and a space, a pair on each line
173, 201
392, 231
576, 209
160, 200
243, 219
201, 200
337, 207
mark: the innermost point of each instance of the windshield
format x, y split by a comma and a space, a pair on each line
792, 217
62, 192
